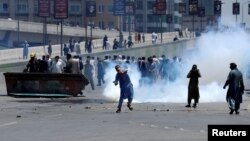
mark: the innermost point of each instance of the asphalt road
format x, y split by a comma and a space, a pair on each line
93, 118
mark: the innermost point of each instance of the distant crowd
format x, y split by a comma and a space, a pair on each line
151, 68
74, 47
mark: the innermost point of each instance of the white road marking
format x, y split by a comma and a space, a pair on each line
202, 131
152, 125
142, 124
57, 115
8, 124
181, 129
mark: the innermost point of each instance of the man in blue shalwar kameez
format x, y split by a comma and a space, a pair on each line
126, 87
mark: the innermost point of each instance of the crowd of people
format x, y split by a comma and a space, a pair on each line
152, 68
74, 47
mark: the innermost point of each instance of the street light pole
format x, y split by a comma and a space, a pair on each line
91, 28
57, 24
236, 16
242, 15
201, 19
129, 25
161, 27
85, 24
61, 37
44, 34
18, 26
201, 25
242, 10
193, 26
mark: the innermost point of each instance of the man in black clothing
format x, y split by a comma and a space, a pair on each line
193, 88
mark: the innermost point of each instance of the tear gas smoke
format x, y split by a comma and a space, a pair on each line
212, 53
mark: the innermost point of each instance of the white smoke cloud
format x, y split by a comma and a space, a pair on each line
213, 53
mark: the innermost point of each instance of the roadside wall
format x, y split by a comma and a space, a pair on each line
16, 53
170, 49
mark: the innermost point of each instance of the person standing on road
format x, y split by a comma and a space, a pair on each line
143, 38
105, 39
86, 45
100, 71
33, 64
90, 46
57, 65
49, 48
25, 50
72, 65
71, 45
107, 45
154, 37
115, 44
89, 73
139, 37
78, 47
65, 49
126, 88
120, 40
193, 86
235, 90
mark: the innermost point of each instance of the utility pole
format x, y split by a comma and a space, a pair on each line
86, 29
57, 24
85, 23
242, 18
91, 28
44, 33
193, 26
61, 37
242, 15
161, 27
129, 26
236, 16
18, 26
201, 25
201, 16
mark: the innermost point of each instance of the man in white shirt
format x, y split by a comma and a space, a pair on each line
57, 65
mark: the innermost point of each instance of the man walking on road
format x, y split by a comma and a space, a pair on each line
235, 90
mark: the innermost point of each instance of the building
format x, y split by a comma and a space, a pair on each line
147, 21
232, 20
27, 10
197, 22
143, 20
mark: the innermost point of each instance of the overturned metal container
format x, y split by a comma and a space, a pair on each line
44, 84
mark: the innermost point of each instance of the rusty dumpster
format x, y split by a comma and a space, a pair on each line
44, 84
